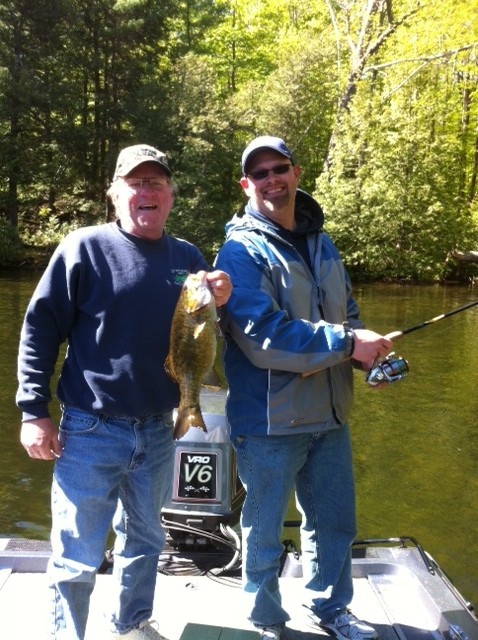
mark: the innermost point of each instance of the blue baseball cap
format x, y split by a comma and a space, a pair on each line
263, 143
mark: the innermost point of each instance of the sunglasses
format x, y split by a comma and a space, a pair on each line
278, 170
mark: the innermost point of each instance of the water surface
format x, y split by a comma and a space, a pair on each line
415, 443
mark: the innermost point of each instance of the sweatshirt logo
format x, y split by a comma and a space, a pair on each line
179, 276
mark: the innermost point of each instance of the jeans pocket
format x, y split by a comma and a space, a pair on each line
77, 422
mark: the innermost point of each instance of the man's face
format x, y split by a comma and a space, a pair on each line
272, 194
143, 200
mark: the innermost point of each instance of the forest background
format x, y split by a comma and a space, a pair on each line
378, 99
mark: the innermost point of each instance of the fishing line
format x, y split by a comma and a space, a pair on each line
392, 369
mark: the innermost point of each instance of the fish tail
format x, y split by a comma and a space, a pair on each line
188, 416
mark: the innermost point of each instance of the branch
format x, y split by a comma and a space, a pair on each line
445, 54
404, 82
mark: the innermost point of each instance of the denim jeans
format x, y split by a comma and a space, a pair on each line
319, 467
113, 471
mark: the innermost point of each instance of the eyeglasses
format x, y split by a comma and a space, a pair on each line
154, 183
278, 170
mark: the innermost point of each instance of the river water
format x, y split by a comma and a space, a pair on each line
415, 442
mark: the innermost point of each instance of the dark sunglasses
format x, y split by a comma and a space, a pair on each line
278, 170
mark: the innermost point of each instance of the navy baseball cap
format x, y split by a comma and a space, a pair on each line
263, 143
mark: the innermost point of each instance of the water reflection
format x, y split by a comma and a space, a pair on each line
415, 443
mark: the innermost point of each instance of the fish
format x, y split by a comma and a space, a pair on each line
192, 349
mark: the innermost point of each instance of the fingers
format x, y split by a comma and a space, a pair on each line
370, 346
220, 285
40, 453
40, 439
384, 347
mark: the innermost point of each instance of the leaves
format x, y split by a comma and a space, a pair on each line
377, 98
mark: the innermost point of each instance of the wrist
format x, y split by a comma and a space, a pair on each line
349, 340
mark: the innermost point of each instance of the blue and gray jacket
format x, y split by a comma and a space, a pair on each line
286, 355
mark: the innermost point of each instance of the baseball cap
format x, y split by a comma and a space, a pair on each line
265, 142
131, 157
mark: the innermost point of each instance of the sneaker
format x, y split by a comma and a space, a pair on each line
272, 632
345, 626
145, 631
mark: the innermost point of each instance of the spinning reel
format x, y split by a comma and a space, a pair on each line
390, 369
393, 369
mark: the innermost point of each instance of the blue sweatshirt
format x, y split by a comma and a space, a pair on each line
111, 296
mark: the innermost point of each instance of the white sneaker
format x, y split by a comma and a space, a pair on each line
272, 632
345, 626
145, 631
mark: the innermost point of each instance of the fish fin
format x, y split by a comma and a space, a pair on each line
212, 381
168, 366
217, 329
198, 329
188, 416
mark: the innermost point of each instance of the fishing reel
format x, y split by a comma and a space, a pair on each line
390, 369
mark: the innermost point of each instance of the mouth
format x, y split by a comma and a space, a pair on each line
147, 207
274, 192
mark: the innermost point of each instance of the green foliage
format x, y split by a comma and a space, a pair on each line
48, 230
395, 188
376, 99
10, 246
392, 197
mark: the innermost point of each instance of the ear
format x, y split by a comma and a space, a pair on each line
244, 182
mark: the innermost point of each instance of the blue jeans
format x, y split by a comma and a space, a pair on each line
319, 466
112, 471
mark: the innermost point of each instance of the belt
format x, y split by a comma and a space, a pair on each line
121, 417
144, 418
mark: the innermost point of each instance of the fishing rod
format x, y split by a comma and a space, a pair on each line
393, 369
397, 334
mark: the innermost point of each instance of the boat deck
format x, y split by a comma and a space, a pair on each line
179, 600
401, 593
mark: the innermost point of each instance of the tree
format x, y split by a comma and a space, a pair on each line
396, 169
377, 99
71, 99
29, 92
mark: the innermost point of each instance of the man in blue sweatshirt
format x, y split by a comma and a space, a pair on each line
110, 292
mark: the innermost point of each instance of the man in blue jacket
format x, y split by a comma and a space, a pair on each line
292, 329
110, 291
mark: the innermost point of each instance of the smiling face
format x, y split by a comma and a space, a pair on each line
141, 207
274, 194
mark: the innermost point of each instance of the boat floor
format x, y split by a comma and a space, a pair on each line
179, 600
400, 602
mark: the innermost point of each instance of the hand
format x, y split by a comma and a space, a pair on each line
220, 285
369, 346
40, 439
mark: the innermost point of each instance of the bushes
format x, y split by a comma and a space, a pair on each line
10, 245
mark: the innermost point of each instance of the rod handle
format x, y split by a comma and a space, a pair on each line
393, 335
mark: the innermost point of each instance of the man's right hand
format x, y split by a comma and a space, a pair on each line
369, 346
40, 439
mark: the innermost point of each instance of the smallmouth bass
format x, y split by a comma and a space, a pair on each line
192, 349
